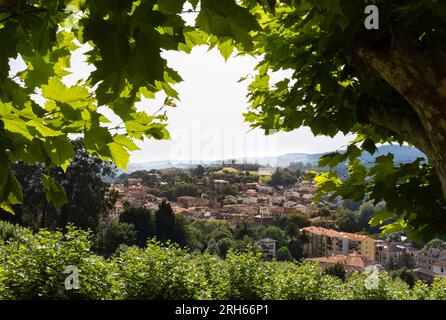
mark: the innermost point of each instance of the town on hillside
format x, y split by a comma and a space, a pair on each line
261, 196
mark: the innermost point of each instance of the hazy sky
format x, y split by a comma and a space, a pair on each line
208, 123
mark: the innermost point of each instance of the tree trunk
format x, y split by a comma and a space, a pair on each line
420, 77
9, 5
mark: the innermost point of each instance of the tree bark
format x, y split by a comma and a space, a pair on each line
9, 5
419, 77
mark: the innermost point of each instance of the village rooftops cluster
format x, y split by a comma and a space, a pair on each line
255, 202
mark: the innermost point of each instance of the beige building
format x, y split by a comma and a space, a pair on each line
239, 208
188, 202
280, 212
320, 221
327, 242
430, 264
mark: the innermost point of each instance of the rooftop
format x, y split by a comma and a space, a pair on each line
335, 234
353, 260
268, 240
441, 263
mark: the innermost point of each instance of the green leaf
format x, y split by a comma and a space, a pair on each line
396, 226
369, 145
119, 155
125, 142
353, 152
171, 92
226, 48
59, 150
17, 126
224, 18
15, 190
170, 6
7, 207
54, 193
97, 138
332, 159
44, 130
333, 6
56, 90
194, 3
379, 217
39, 71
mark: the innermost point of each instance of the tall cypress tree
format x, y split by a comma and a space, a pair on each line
165, 221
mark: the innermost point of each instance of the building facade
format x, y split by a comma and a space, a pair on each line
389, 253
327, 242
269, 248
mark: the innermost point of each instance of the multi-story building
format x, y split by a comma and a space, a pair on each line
264, 189
264, 201
305, 186
301, 208
324, 222
280, 212
388, 253
239, 208
327, 242
268, 247
188, 202
239, 217
430, 264
249, 200
278, 199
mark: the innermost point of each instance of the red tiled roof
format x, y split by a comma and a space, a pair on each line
335, 234
353, 260
282, 209
440, 263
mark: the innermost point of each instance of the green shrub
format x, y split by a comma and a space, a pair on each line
249, 275
438, 290
114, 235
305, 281
9, 232
157, 272
384, 288
32, 267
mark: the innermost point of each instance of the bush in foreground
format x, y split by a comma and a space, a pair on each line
32, 267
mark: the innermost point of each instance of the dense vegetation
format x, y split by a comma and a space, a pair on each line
174, 182
85, 184
136, 225
32, 266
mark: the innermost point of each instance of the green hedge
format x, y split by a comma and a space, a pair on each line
32, 267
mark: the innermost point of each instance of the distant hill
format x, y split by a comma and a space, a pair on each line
403, 154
